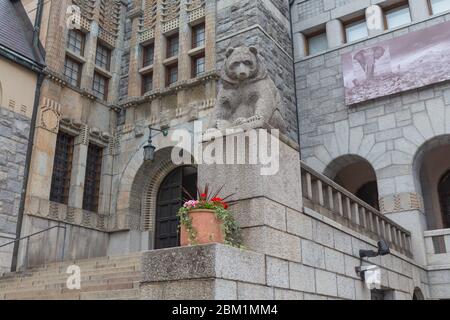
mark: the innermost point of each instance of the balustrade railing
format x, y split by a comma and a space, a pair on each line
326, 197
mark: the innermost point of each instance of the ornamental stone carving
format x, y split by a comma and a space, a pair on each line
247, 96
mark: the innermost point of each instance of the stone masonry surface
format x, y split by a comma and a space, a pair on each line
14, 131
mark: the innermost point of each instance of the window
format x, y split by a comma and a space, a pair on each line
72, 71
100, 86
444, 197
398, 17
439, 6
62, 169
172, 46
198, 36
75, 42
198, 65
103, 57
172, 74
147, 83
148, 56
356, 31
317, 44
92, 178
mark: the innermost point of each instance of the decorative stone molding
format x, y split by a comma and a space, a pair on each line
56, 77
150, 194
43, 208
72, 126
99, 137
130, 102
50, 115
146, 35
401, 202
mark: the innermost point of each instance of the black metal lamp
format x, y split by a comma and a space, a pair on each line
149, 149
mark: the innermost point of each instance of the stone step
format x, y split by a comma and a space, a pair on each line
42, 290
85, 277
45, 285
104, 278
134, 257
62, 271
111, 295
59, 295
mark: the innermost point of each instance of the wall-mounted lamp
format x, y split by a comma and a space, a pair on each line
383, 250
149, 149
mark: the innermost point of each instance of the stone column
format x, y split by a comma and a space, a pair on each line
89, 54
210, 35
375, 20
106, 181
77, 177
300, 44
184, 36
159, 74
335, 33
116, 58
400, 202
134, 82
41, 168
262, 200
420, 9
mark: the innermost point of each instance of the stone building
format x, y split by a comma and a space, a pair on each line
398, 143
21, 63
114, 68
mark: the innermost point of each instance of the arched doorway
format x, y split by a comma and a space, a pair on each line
357, 175
444, 197
170, 198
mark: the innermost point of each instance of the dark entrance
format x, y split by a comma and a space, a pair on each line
444, 197
170, 199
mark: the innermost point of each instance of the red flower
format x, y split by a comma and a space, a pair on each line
216, 199
203, 196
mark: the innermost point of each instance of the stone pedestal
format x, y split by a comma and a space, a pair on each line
262, 200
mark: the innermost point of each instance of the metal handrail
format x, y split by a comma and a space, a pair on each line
37, 233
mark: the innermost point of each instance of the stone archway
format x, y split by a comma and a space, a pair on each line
418, 295
431, 163
140, 201
364, 185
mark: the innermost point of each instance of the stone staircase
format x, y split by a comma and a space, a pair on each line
106, 278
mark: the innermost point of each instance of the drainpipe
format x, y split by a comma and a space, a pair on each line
37, 95
37, 24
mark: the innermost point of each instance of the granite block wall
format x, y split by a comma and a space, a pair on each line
14, 132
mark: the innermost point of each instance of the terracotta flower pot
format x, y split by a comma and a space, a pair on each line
207, 226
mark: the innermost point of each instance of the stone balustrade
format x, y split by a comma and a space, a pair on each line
330, 199
437, 244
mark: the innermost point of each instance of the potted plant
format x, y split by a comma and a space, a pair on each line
208, 220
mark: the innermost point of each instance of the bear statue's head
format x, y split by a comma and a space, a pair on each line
242, 65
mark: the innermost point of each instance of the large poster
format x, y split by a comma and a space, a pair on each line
411, 61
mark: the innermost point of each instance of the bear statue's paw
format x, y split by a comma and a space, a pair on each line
255, 118
239, 121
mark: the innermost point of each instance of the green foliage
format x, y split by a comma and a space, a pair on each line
229, 225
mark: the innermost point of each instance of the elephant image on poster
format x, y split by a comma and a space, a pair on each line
367, 59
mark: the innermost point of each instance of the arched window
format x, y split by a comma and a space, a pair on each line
444, 197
